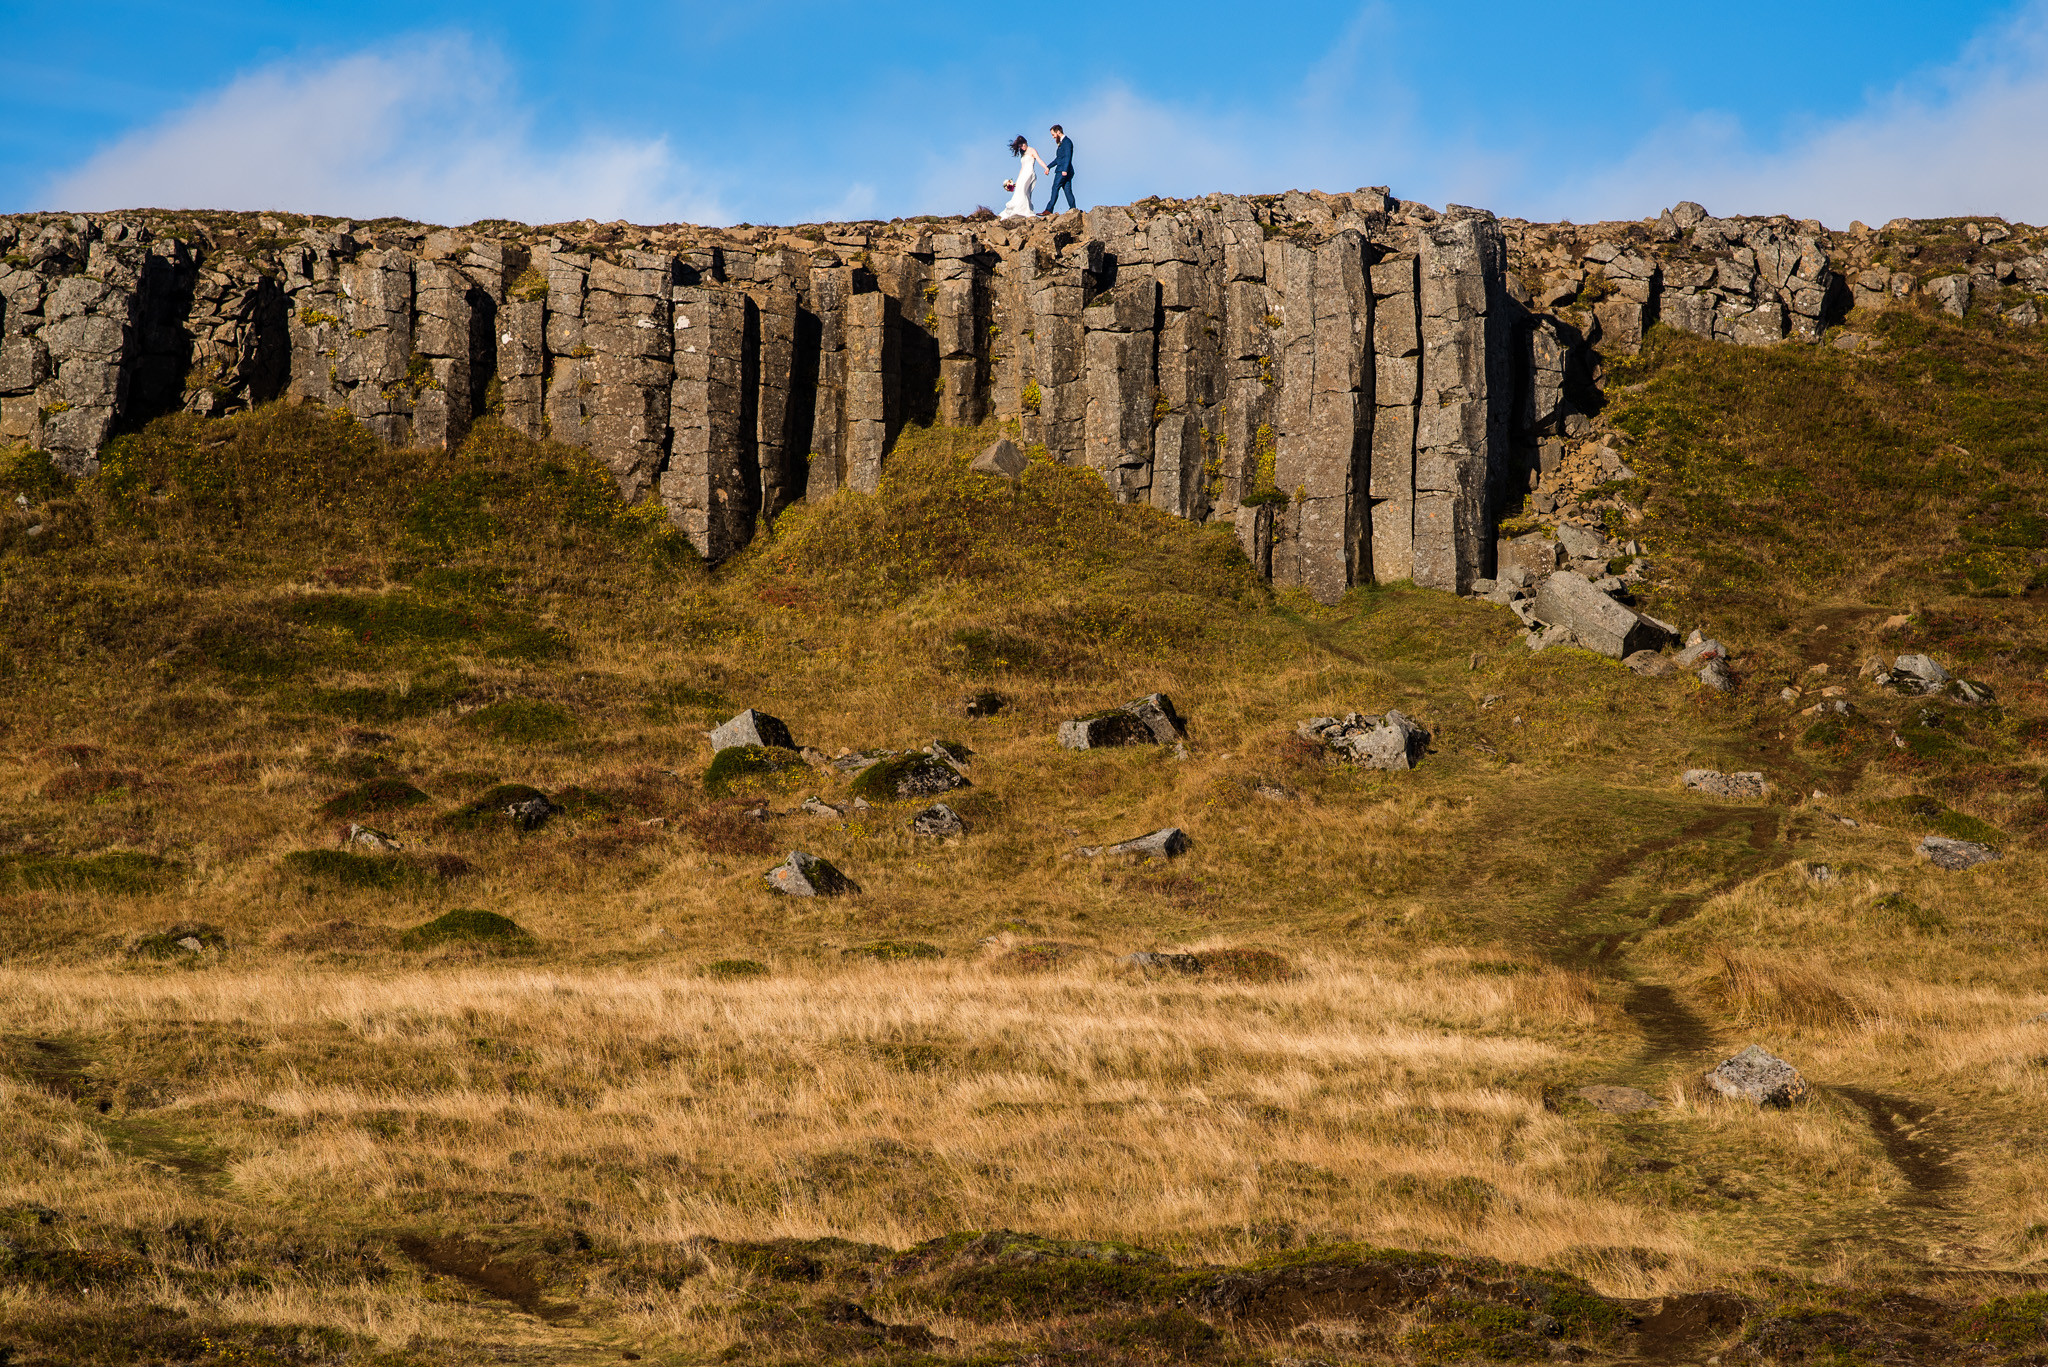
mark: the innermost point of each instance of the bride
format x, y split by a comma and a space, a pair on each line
1020, 197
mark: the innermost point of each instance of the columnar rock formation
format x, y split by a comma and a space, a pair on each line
1360, 386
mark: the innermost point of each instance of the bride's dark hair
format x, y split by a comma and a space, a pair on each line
1017, 145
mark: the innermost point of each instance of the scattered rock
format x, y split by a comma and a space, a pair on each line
1581, 543
1758, 1077
1389, 742
1897, 621
1189, 964
1002, 459
1820, 875
1617, 1100
1698, 652
751, 728
1150, 720
1717, 677
984, 704
938, 820
1547, 637
1169, 843
530, 814
816, 806
1716, 784
909, 776
371, 839
806, 875
1917, 674
191, 944
1276, 792
1956, 855
1600, 624
1651, 664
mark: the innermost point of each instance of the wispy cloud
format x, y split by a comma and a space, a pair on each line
1962, 138
429, 129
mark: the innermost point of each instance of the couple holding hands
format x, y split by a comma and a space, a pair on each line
1060, 173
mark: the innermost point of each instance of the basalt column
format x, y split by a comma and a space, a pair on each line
711, 483
568, 377
441, 413
1190, 385
1120, 342
1056, 294
1397, 376
628, 376
1461, 261
873, 386
831, 290
961, 316
374, 368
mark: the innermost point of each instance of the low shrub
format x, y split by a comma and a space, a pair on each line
378, 795
468, 926
526, 721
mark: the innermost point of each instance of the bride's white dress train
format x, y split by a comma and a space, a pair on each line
1019, 205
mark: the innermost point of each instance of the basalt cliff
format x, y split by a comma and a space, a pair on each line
1362, 386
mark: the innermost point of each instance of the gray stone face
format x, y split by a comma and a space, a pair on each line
1759, 1077
1170, 843
1600, 624
938, 821
1001, 458
706, 487
1918, 674
1389, 742
1716, 784
807, 875
1956, 855
751, 728
1150, 720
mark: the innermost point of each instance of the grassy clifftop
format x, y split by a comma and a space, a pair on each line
569, 1090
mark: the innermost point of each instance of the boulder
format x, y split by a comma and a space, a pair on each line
1150, 720
815, 806
1716, 784
938, 820
1169, 843
1699, 652
1176, 963
751, 728
1758, 1077
1956, 855
531, 814
806, 875
372, 839
1533, 556
1651, 664
1617, 1100
1581, 543
1600, 624
918, 774
984, 704
1717, 677
1002, 459
1918, 674
1390, 742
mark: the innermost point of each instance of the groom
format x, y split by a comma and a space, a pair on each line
1061, 171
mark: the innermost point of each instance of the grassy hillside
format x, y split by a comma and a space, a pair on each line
592, 1089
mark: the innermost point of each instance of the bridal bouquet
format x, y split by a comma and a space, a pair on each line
1010, 185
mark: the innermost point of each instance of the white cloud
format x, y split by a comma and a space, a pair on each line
428, 129
1960, 139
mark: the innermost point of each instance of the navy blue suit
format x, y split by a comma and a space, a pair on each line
1062, 174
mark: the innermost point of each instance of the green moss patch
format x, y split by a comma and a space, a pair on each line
378, 795
468, 927
891, 951
488, 811
348, 869
744, 765
735, 968
1937, 819
905, 778
120, 872
1246, 965
526, 721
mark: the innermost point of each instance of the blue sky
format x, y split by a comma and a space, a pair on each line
789, 112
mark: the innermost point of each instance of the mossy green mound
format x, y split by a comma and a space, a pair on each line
469, 927
119, 871
348, 869
378, 795
739, 766
491, 811
526, 721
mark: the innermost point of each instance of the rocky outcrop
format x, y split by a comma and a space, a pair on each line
1361, 387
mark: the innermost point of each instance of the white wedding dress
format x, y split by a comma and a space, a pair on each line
1020, 198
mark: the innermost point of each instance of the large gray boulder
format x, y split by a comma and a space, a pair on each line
751, 728
1390, 742
1002, 459
1716, 784
1918, 674
1169, 843
1600, 624
1759, 1077
1150, 720
1957, 855
806, 875
938, 821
